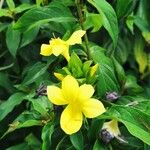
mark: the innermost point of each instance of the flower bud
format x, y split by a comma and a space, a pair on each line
112, 96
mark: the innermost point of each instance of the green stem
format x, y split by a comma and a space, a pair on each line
81, 20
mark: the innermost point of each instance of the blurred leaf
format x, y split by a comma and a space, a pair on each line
77, 140
8, 106
109, 18
10, 4
5, 13
55, 12
140, 55
12, 40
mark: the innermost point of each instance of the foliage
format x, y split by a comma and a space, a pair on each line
114, 57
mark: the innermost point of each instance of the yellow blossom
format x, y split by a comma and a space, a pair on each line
112, 128
78, 100
58, 46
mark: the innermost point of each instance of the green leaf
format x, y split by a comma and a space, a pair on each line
7, 106
75, 65
10, 4
55, 12
109, 18
77, 140
106, 76
47, 132
12, 40
137, 122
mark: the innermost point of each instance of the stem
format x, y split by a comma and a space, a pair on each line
81, 20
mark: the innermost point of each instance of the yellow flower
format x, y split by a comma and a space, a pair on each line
78, 100
58, 46
112, 128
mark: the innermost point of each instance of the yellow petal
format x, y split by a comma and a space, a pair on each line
71, 120
58, 46
112, 127
46, 50
58, 76
92, 108
70, 88
76, 37
86, 91
65, 53
55, 95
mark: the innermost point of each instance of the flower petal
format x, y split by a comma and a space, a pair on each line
70, 88
55, 95
65, 53
92, 108
71, 120
46, 50
76, 37
86, 91
58, 46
